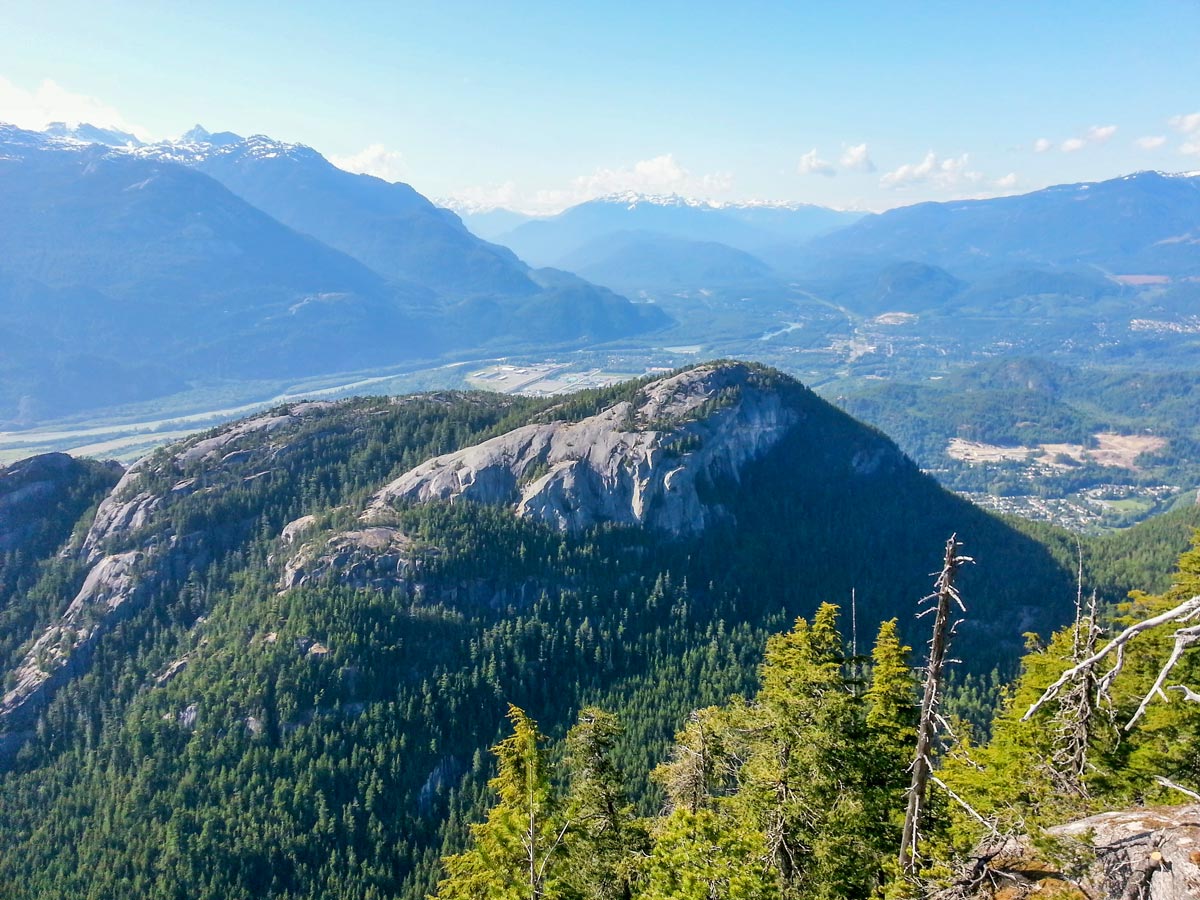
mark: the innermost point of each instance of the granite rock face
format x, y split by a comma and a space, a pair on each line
643, 462
131, 548
369, 557
1148, 853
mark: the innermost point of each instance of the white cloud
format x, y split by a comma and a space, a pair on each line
658, 175
1191, 148
661, 174
1188, 123
1007, 182
857, 159
50, 102
948, 173
1151, 142
1041, 145
374, 159
811, 164
1097, 134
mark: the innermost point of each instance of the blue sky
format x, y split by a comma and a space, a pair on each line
538, 105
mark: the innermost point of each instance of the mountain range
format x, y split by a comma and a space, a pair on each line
1068, 241
1140, 224
135, 271
754, 228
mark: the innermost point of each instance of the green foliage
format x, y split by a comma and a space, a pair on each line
701, 855
795, 794
213, 750
604, 839
518, 852
1017, 779
1027, 402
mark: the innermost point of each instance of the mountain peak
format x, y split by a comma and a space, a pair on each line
197, 134
91, 134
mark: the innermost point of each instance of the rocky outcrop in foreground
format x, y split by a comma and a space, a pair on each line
1150, 853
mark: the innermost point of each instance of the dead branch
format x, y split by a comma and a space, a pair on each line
1073, 720
1175, 787
1188, 694
1182, 612
1184, 638
944, 594
986, 823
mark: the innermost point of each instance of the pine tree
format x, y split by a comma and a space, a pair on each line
604, 835
701, 766
803, 781
891, 698
705, 856
517, 853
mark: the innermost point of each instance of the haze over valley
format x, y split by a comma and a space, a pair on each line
1021, 303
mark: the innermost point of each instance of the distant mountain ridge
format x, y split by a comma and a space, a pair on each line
1144, 223
630, 261
388, 227
132, 271
91, 134
748, 227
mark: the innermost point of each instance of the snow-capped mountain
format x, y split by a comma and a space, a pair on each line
91, 134
755, 228
130, 272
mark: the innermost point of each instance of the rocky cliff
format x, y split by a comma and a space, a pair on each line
133, 544
646, 461
32, 488
1144, 853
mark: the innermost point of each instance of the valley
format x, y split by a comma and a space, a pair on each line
887, 326
858, 362
348, 593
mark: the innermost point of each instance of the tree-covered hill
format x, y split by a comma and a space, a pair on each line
271, 663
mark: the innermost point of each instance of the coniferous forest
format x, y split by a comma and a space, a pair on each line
527, 711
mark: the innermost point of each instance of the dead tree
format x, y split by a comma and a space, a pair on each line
1082, 678
1184, 637
939, 603
1077, 707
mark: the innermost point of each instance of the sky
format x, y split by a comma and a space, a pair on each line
535, 106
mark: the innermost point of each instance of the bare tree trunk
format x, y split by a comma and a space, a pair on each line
1073, 720
944, 594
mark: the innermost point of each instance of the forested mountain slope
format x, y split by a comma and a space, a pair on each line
273, 659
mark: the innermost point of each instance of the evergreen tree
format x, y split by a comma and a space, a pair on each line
702, 855
604, 835
807, 778
891, 698
701, 766
517, 854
